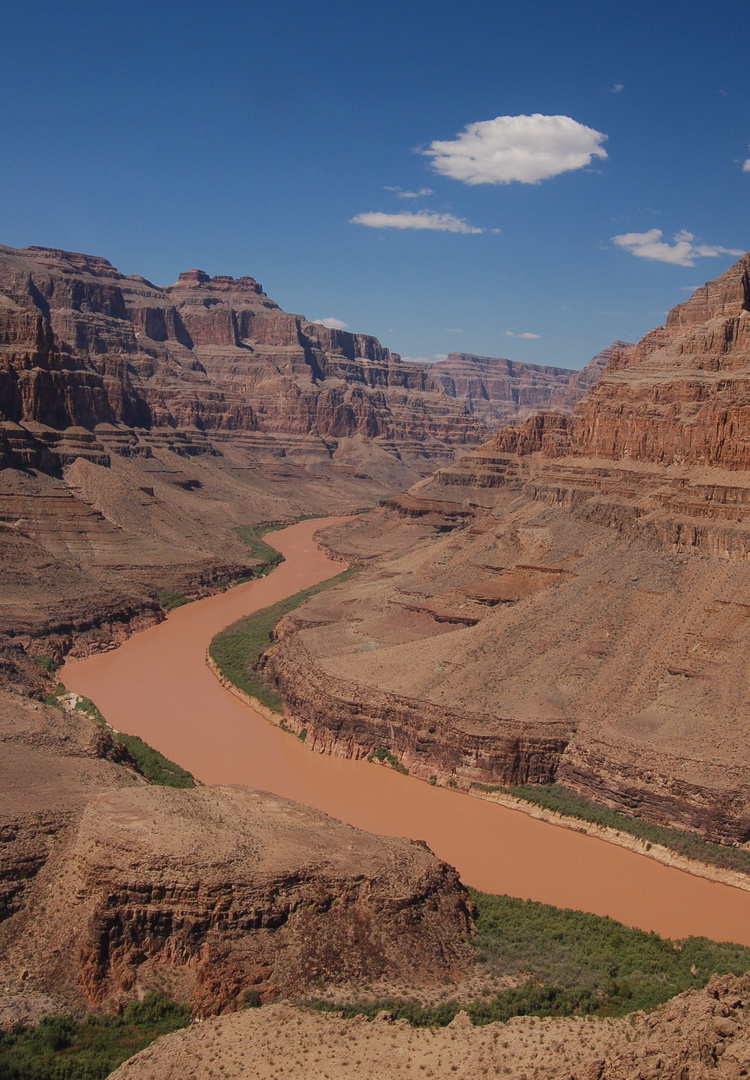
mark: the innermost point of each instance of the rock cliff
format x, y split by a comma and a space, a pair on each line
504, 391
569, 601
140, 427
110, 886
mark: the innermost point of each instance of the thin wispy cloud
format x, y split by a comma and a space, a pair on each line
617, 88
422, 219
522, 148
416, 194
527, 336
332, 323
683, 252
453, 330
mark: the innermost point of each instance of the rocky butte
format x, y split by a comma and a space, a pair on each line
570, 602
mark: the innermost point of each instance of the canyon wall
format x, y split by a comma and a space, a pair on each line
111, 886
572, 597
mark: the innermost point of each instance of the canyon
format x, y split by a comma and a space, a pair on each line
566, 603
140, 427
541, 596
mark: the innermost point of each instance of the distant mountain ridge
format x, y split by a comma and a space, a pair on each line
505, 391
82, 346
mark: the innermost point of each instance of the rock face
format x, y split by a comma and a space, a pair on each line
568, 602
698, 1035
82, 345
110, 886
141, 426
504, 391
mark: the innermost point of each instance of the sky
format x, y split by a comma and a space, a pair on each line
530, 179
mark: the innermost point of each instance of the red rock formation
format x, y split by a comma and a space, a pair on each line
581, 579
110, 886
505, 391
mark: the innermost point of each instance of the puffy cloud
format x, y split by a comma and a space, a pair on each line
332, 324
746, 166
528, 336
683, 252
423, 219
523, 148
617, 88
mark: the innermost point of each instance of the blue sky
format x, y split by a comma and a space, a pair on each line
288, 140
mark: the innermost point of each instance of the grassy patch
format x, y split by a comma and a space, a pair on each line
61, 1048
152, 764
236, 650
382, 754
50, 666
569, 963
169, 599
53, 698
269, 557
557, 798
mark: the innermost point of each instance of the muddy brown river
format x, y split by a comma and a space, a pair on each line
157, 686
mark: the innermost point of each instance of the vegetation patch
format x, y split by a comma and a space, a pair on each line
159, 769
237, 649
560, 800
169, 599
268, 556
61, 1048
384, 755
568, 963
50, 666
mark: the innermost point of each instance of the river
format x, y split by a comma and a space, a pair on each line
157, 686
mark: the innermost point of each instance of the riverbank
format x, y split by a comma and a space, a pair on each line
158, 686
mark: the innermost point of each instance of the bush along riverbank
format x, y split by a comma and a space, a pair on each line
236, 650
559, 800
565, 963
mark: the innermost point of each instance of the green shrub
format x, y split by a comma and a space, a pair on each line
567, 963
384, 755
237, 649
50, 666
152, 764
559, 799
169, 599
61, 1048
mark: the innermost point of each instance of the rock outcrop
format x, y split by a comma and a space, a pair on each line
110, 886
698, 1035
505, 391
569, 601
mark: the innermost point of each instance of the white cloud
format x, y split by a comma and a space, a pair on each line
683, 252
332, 324
617, 88
453, 330
423, 219
523, 148
389, 187
529, 337
746, 166
416, 194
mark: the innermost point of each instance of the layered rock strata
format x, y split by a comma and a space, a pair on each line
505, 391
587, 615
110, 886
141, 426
